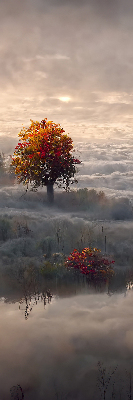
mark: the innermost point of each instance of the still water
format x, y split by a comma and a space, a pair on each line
78, 346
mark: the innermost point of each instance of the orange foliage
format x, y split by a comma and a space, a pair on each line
44, 155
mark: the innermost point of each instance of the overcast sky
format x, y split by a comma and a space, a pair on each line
68, 60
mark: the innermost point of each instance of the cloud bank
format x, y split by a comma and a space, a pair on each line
53, 50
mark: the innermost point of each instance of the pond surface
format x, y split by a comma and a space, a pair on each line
65, 346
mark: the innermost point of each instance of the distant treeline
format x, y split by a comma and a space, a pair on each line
96, 203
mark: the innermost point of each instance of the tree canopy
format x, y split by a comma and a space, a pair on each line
91, 263
43, 155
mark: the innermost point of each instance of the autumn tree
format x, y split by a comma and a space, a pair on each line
44, 157
90, 262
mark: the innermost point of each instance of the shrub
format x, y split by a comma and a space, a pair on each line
91, 263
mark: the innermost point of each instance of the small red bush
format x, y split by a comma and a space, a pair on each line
90, 262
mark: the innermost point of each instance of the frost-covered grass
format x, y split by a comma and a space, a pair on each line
38, 237
33, 231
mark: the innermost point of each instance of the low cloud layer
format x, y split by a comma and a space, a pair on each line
53, 50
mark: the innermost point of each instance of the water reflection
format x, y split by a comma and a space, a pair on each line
17, 393
70, 285
69, 348
33, 300
76, 344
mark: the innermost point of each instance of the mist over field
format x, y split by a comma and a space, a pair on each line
101, 198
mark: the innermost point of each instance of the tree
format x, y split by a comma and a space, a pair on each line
91, 263
43, 156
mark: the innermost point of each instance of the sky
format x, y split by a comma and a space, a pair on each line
70, 62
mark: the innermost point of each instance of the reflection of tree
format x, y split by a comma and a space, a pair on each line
121, 386
59, 395
46, 297
27, 278
118, 282
129, 391
104, 379
111, 385
16, 393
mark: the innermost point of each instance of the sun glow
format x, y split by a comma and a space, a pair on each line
65, 99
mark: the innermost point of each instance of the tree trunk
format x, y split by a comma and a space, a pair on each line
50, 193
